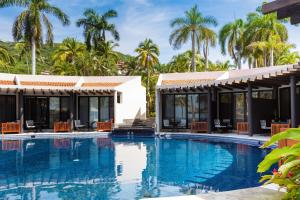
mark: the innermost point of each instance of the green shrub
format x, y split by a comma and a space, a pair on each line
288, 174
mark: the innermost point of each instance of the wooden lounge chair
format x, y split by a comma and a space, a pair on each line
11, 127
199, 127
242, 127
105, 126
62, 127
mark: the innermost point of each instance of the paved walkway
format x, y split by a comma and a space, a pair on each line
53, 135
258, 193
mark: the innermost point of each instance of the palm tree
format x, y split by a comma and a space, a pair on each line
5, 58
95, 27
231, 39
68, 51
267, 30
210, 39
182, 62
191, 27
28, 25
148, 53
23, 50
288, 58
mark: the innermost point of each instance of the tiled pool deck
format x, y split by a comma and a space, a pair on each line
257, 193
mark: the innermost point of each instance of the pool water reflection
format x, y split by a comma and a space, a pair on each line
121, 168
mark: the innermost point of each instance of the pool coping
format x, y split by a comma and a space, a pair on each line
46, 135
255, 140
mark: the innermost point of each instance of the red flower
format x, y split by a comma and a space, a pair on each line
290, 174
275, 171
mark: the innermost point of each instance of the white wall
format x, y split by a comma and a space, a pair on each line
133, 101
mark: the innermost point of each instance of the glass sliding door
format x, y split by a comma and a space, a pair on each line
180, 111
84, 109
193, 108
168, 111
240, 107
64, 108
54, 110
104, 109
203, 107
94, 110
8, 108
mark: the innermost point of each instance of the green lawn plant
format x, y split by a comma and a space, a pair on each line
288, 174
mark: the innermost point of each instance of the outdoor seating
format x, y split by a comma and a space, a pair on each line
30, 125
242, 127
227, 122
219, 126
78, 125
11, 127
276, 127
105, 126
166, 123
263, 125
199, 127
182, 123
62, 127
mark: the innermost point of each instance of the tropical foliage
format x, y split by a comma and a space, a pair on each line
148, 53
192, 26
29, 25
260, 40
288, 174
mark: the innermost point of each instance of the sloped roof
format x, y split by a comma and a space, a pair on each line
207, 79
51, 82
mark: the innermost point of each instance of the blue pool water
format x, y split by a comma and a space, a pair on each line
120, 168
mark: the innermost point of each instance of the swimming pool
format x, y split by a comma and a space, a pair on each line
123, 168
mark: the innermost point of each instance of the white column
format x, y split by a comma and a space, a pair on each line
115, 107
157, 110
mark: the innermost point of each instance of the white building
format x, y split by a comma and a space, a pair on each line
47, 98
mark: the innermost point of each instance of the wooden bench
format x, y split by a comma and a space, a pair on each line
199, 127
105, 126
10, 127
242, 127
62, 127
275, 128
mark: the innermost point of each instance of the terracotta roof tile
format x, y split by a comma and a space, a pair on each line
6, 82
185, 82
101, 84
39, 83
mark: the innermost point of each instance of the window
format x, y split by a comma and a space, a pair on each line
180, 110
104, 109
8, 109
203, 107
240, 105
94, 110
168, 110
54, 108
119, 97
193, 108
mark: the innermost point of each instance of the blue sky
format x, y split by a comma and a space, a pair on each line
140, 19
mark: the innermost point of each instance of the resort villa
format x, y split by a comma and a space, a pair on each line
44, 101
250, 101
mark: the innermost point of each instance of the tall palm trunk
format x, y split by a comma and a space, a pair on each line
33, 56
147, 88
206, 55
265, 58
193, 52
271, 56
